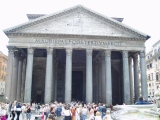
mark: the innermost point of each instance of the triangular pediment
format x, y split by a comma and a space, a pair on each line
77, 21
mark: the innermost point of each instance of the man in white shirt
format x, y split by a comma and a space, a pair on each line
23, 111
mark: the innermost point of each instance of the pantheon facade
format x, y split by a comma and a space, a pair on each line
75, 54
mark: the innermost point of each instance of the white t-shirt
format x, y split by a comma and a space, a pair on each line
23, 108
67, 113
84, 111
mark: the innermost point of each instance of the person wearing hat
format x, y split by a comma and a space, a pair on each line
107, 116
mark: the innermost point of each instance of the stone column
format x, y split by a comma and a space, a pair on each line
136, 79
23, 79
103, 94
55, 77
89, 89
9, 72
131, 79
14, 76
143, 75
49, 73
97, 86
19, 81
126, 83
108, 77
99, 80
28, 81
94, 82
68, 76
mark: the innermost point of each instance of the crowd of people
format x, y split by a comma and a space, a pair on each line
56, 111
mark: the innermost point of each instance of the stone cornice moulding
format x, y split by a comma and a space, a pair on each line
73, 36
78, 8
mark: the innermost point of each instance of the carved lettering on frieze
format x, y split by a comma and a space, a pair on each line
89, 52
68, 52
78, 42
125, 54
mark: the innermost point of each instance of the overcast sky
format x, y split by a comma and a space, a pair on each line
143, 15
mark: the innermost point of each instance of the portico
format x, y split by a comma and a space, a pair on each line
75, 54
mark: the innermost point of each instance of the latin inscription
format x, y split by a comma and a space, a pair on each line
77, 42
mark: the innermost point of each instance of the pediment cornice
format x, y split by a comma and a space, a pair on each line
77, 9
73, 36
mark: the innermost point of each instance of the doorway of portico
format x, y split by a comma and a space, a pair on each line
77, 85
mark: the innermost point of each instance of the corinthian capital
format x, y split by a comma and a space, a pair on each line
30, 51
89, 52
142, 54
107, 53
68, 52
125, 54
11, 49
49, 51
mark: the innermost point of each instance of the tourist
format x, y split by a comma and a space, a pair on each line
98, 116
23, 111
7, 109
141, 101
46, 112
73, 111
13, 109
78, 112
3, 113
38, 108
28, 112
100, 108
18, 110
104, 109
58, 111
107, 116
91, 112
84, 112
95, 109
67, 113
42, 110
52, 114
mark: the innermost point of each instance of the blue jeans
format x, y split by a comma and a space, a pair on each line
83, 117
103, 114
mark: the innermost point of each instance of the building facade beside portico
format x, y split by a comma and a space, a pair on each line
75, 54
